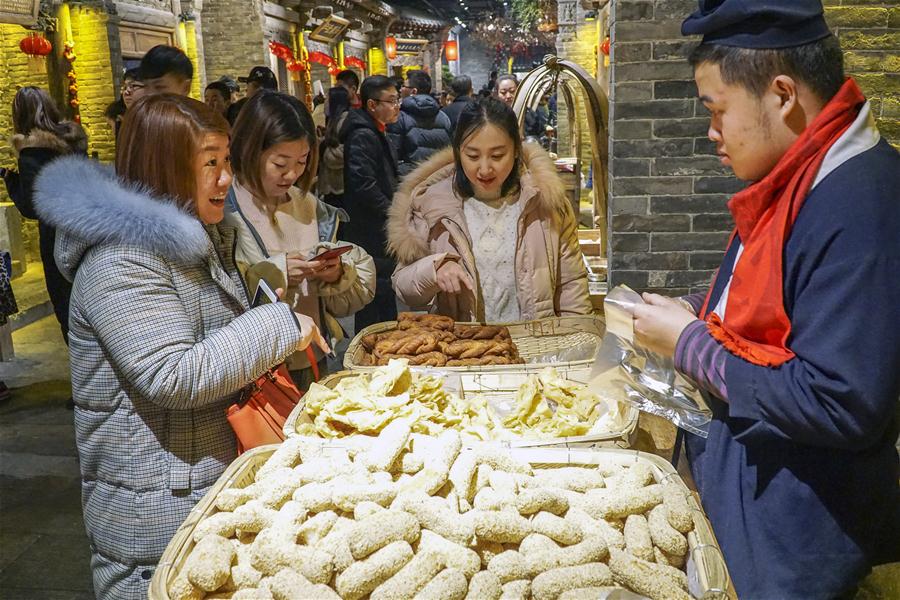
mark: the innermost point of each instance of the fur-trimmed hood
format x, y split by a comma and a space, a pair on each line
428, 194
88, 205
72, 141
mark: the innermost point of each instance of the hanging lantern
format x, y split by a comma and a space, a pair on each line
604, 46
390, 47
35, 45
451, 49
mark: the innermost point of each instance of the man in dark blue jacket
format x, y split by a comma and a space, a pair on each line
422, 128
461, 87
799, 347
370, 179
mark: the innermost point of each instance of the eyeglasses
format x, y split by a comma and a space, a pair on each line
395, 101
132, 87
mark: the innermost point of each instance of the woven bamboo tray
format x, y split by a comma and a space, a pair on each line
503, 385
707, 573
532, 338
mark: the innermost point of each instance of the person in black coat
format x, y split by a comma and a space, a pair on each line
41, 136
461, 88
370, 179
422, 129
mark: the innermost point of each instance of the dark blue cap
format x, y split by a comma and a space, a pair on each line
758, 23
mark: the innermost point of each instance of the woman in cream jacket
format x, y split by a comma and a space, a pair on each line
281, 227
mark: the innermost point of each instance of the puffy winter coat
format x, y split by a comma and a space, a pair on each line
161, 342
427, 225
454, 109
421, 130
370, 179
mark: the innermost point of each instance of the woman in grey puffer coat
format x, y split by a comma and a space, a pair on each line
161, 336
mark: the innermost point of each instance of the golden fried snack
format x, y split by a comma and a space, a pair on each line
419, 343
480, 332
428, 321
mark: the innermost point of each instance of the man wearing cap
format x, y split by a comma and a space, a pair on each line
797, 344
260, 78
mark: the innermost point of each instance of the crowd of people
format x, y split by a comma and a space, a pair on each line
152, 263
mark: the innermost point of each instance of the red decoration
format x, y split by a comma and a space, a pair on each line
353, 61
604, 46
282, 51
451, 49
36, 45
295, 66
390, 47
321, 58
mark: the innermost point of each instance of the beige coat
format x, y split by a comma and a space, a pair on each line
427, 226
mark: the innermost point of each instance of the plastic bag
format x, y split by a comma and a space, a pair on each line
626, 372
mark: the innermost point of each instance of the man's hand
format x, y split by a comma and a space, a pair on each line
659, 323
452, 279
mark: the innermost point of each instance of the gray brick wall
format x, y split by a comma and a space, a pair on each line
232, 37
669, 221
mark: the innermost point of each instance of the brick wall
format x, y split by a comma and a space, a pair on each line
870, 37
232, 37
669, 222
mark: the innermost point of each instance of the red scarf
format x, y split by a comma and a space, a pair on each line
758, 326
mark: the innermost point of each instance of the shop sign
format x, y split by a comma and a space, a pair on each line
410, 46
330, 30
22, 12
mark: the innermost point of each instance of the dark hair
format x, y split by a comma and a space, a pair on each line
505, 77
162, 60
420, 80
473, 117
159, 141
819, 65
115, 109
33, 108
372, 87
397, 81
338, 104
270, 118
349, 77
134, 74
461, 85
222, 88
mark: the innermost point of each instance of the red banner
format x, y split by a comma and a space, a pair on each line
352, 61
321, 58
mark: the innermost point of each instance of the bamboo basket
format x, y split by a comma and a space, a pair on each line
503, 385
707, 573
532, 338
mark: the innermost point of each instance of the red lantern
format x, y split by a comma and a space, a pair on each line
390, 47
451, 49
36, 45
604, 46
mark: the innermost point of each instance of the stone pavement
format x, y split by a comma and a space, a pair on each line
43, 549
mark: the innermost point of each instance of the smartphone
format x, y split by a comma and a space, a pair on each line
332, 253
264, 294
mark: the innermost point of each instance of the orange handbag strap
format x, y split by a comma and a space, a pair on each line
312, 362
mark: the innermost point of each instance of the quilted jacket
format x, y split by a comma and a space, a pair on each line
161, 342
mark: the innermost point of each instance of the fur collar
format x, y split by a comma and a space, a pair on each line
85, 200
427, 193
72, 140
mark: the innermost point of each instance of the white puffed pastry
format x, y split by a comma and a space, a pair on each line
484, 586
209, 565
409, 580
455, 556
363, 576
449, 584
380, 529
551, 584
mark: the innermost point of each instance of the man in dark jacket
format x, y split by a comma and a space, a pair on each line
461, 88
370, 178
796, 346
422, 128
